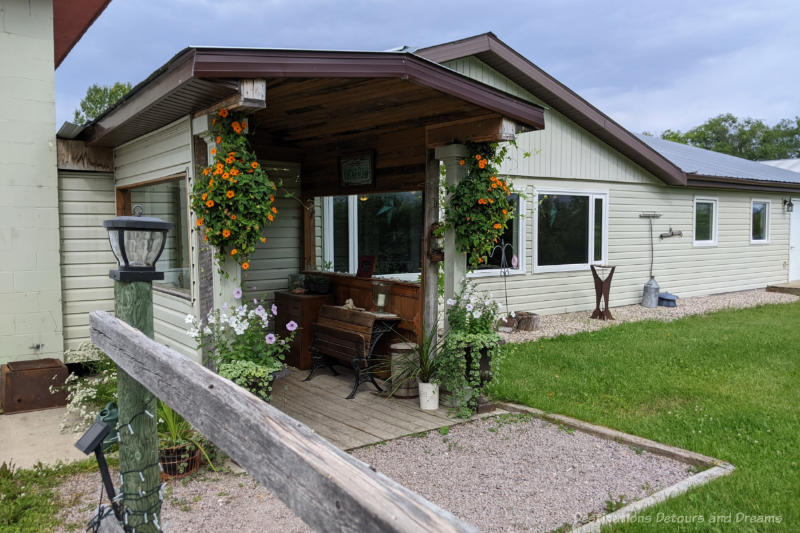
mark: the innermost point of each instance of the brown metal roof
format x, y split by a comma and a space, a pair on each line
498, 55
198, 77
71, 19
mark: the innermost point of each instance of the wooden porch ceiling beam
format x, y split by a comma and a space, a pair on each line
252, 97
488, 128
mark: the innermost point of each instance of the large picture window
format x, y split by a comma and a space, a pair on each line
512, 242
571, 230
386, 225
167, 200
705, 222
759, 222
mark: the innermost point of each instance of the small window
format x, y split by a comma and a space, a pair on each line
705, 222
759, 222
167, 200
570, 230
512, 243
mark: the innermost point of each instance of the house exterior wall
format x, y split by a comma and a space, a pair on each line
161, 153
282, 254
85, 200
30, 287
565, 156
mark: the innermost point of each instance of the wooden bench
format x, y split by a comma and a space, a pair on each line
348, 337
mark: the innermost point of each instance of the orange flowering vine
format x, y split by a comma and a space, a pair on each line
478, 208
234, 216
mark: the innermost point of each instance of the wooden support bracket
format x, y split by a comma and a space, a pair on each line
485, 128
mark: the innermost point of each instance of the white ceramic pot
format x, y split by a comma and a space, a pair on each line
428, 396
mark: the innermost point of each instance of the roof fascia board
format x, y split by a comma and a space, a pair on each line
79, 16
150, 92
717, 182
561, 97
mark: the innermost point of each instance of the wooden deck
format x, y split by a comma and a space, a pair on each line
793, 287
366, 419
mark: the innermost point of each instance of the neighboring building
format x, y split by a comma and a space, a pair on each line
35, 36
585, 185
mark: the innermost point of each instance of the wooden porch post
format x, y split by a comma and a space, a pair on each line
430, 279
455, 262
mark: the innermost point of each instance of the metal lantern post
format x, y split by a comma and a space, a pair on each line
137, 243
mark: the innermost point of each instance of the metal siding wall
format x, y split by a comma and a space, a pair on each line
679, 267
158, 154
85, 199
563, 149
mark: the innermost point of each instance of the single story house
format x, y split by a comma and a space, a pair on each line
582, 190
35, 37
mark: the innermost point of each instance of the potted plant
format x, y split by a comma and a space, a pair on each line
179, 445
470, 349
421, 365
242, 345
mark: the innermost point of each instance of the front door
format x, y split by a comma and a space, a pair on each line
794, 242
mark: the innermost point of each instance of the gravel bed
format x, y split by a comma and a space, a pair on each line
571, 323
507, 473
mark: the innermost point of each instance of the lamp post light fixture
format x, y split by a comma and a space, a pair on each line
137, 243
788, 205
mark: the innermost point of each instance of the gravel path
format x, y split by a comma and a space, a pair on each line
571, 323
508, 473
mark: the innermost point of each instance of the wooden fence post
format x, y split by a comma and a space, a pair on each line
138, 430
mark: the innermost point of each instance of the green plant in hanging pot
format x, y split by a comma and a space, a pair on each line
478, 209
233, 198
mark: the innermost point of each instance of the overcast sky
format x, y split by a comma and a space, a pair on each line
650, 65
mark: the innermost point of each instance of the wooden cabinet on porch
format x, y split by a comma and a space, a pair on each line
304, 310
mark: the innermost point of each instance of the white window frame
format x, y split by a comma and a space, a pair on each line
593, 195
767, 210
715, 218
520, 216
352, 238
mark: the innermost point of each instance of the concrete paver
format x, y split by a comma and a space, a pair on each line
27, 438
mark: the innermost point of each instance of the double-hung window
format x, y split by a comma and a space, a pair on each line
510, 247
705, 221
571, 230
759, 222
385, 225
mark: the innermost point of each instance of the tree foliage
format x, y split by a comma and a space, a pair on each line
743, 137
99, 98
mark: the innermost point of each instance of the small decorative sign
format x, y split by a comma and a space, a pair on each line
357, 169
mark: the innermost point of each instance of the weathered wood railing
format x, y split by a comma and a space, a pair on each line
327, 488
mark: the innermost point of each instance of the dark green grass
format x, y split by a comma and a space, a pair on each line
725, 385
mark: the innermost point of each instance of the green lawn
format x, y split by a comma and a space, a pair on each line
725, 385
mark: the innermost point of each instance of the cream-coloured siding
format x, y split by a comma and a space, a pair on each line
164, 152
563, 149
679, 267
30, 285
158, 154
282, 254
86, 199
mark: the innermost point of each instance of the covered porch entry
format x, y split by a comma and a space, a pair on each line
394, 116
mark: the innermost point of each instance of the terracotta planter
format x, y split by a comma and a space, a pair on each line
179, 461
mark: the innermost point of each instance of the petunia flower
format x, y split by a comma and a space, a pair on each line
292, 325
270, 338
274, 310
237, 293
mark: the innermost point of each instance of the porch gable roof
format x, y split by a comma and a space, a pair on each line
199, 77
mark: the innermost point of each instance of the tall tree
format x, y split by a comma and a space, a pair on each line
99, 98
743, 137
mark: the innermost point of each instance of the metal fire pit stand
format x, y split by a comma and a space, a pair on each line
602, 288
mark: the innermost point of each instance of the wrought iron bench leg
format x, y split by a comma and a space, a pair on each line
357, 370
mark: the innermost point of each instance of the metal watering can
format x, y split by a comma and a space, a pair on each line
110, 415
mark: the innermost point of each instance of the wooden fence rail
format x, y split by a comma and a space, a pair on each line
326, 487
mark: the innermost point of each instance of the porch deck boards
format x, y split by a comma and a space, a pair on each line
793, 287
366, 419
